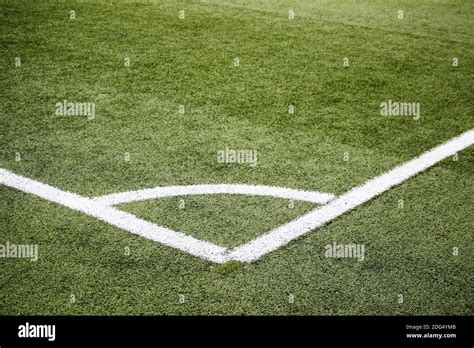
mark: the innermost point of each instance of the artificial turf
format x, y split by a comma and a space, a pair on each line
190, 62
227, 220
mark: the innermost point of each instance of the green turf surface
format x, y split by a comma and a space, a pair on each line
226, 220
408, 251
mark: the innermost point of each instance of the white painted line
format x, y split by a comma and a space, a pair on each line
101, 208
118, 218
280, 236
242, 189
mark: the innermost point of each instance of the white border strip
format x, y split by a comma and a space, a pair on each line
242, 189
280, 236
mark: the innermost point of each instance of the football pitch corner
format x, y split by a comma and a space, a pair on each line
332, 207
274, 161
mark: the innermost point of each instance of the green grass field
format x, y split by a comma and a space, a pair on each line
283, 62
